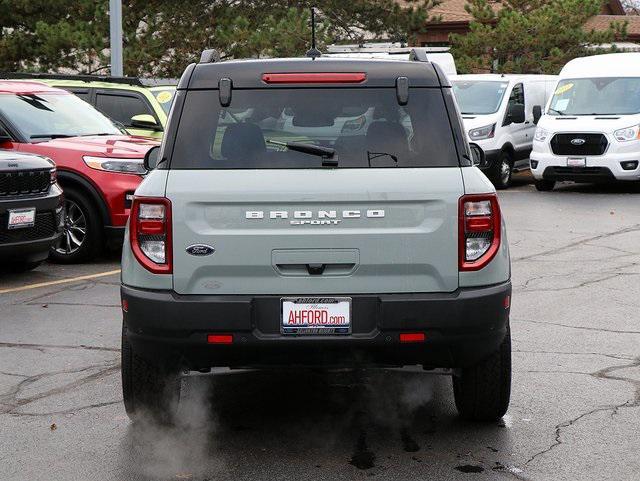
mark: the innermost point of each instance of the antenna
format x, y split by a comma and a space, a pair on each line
313, 52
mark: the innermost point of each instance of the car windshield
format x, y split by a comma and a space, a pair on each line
52, 115
596, 96
479, 97
164, 96
355, 127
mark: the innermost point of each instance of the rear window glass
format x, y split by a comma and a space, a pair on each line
366, 127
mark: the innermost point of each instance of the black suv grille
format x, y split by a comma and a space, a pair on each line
24, 183
594, 144
44, 226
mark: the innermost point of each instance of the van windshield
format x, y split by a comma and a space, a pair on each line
356, 127
596, 96
479, 97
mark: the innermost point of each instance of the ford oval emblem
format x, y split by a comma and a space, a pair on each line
578, 141
200, 250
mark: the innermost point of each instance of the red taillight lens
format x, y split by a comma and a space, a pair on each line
315, 78
220, 339
479, 230
406, 337
150, 233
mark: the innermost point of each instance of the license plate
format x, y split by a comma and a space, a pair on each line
316, 315
20, 218
576, 162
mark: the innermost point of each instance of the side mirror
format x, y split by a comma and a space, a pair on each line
151, 158
537, 113
477, 155
145, 121
515, 114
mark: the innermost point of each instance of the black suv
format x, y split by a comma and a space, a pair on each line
31, 209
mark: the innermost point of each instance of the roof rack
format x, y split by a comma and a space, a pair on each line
159, 82
83, 78
209, 55
418, 55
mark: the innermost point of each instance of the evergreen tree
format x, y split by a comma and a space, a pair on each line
162, 36
529, 36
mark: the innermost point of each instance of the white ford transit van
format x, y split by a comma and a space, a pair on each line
499, 114
591, 131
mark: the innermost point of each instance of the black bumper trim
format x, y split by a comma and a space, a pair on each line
579, 174
461, 328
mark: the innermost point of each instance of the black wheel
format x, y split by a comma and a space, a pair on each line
544, 185
149, 390
501, 172
482, 391
23, 266
81, 238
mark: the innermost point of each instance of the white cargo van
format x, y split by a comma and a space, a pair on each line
500, 113
394, 51
591, 132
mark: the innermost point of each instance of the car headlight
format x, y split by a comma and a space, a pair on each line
540, 135
123, 166
486, 132
627, 134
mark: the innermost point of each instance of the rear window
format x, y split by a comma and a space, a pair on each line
366, 127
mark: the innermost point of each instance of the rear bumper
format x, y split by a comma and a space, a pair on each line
460, 329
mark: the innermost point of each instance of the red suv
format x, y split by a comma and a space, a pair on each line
99, 166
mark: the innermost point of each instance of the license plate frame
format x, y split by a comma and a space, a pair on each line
576, 162
336, 306
21, 218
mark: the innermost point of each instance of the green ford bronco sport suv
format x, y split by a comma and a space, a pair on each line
315, 212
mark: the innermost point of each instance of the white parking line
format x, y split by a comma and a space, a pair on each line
59, 281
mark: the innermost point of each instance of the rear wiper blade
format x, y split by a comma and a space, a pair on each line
327, 153
50, 136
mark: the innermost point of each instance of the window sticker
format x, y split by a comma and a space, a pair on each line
563, 89
164, 97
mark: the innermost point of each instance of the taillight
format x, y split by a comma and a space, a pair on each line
150, 233
479, 230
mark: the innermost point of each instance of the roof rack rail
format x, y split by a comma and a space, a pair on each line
159, 82
209, 55
418, 55
59, 76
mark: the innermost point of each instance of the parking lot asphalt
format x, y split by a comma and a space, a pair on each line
574, 413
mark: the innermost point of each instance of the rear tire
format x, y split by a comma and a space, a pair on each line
149, 390
501, 172
482, 391
81, 238
545, 185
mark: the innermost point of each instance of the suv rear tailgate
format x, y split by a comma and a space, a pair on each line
347, 231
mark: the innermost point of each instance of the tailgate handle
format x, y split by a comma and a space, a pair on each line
315, 269
315, 262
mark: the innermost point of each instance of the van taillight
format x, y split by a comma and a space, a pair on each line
479, 230
150, 233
